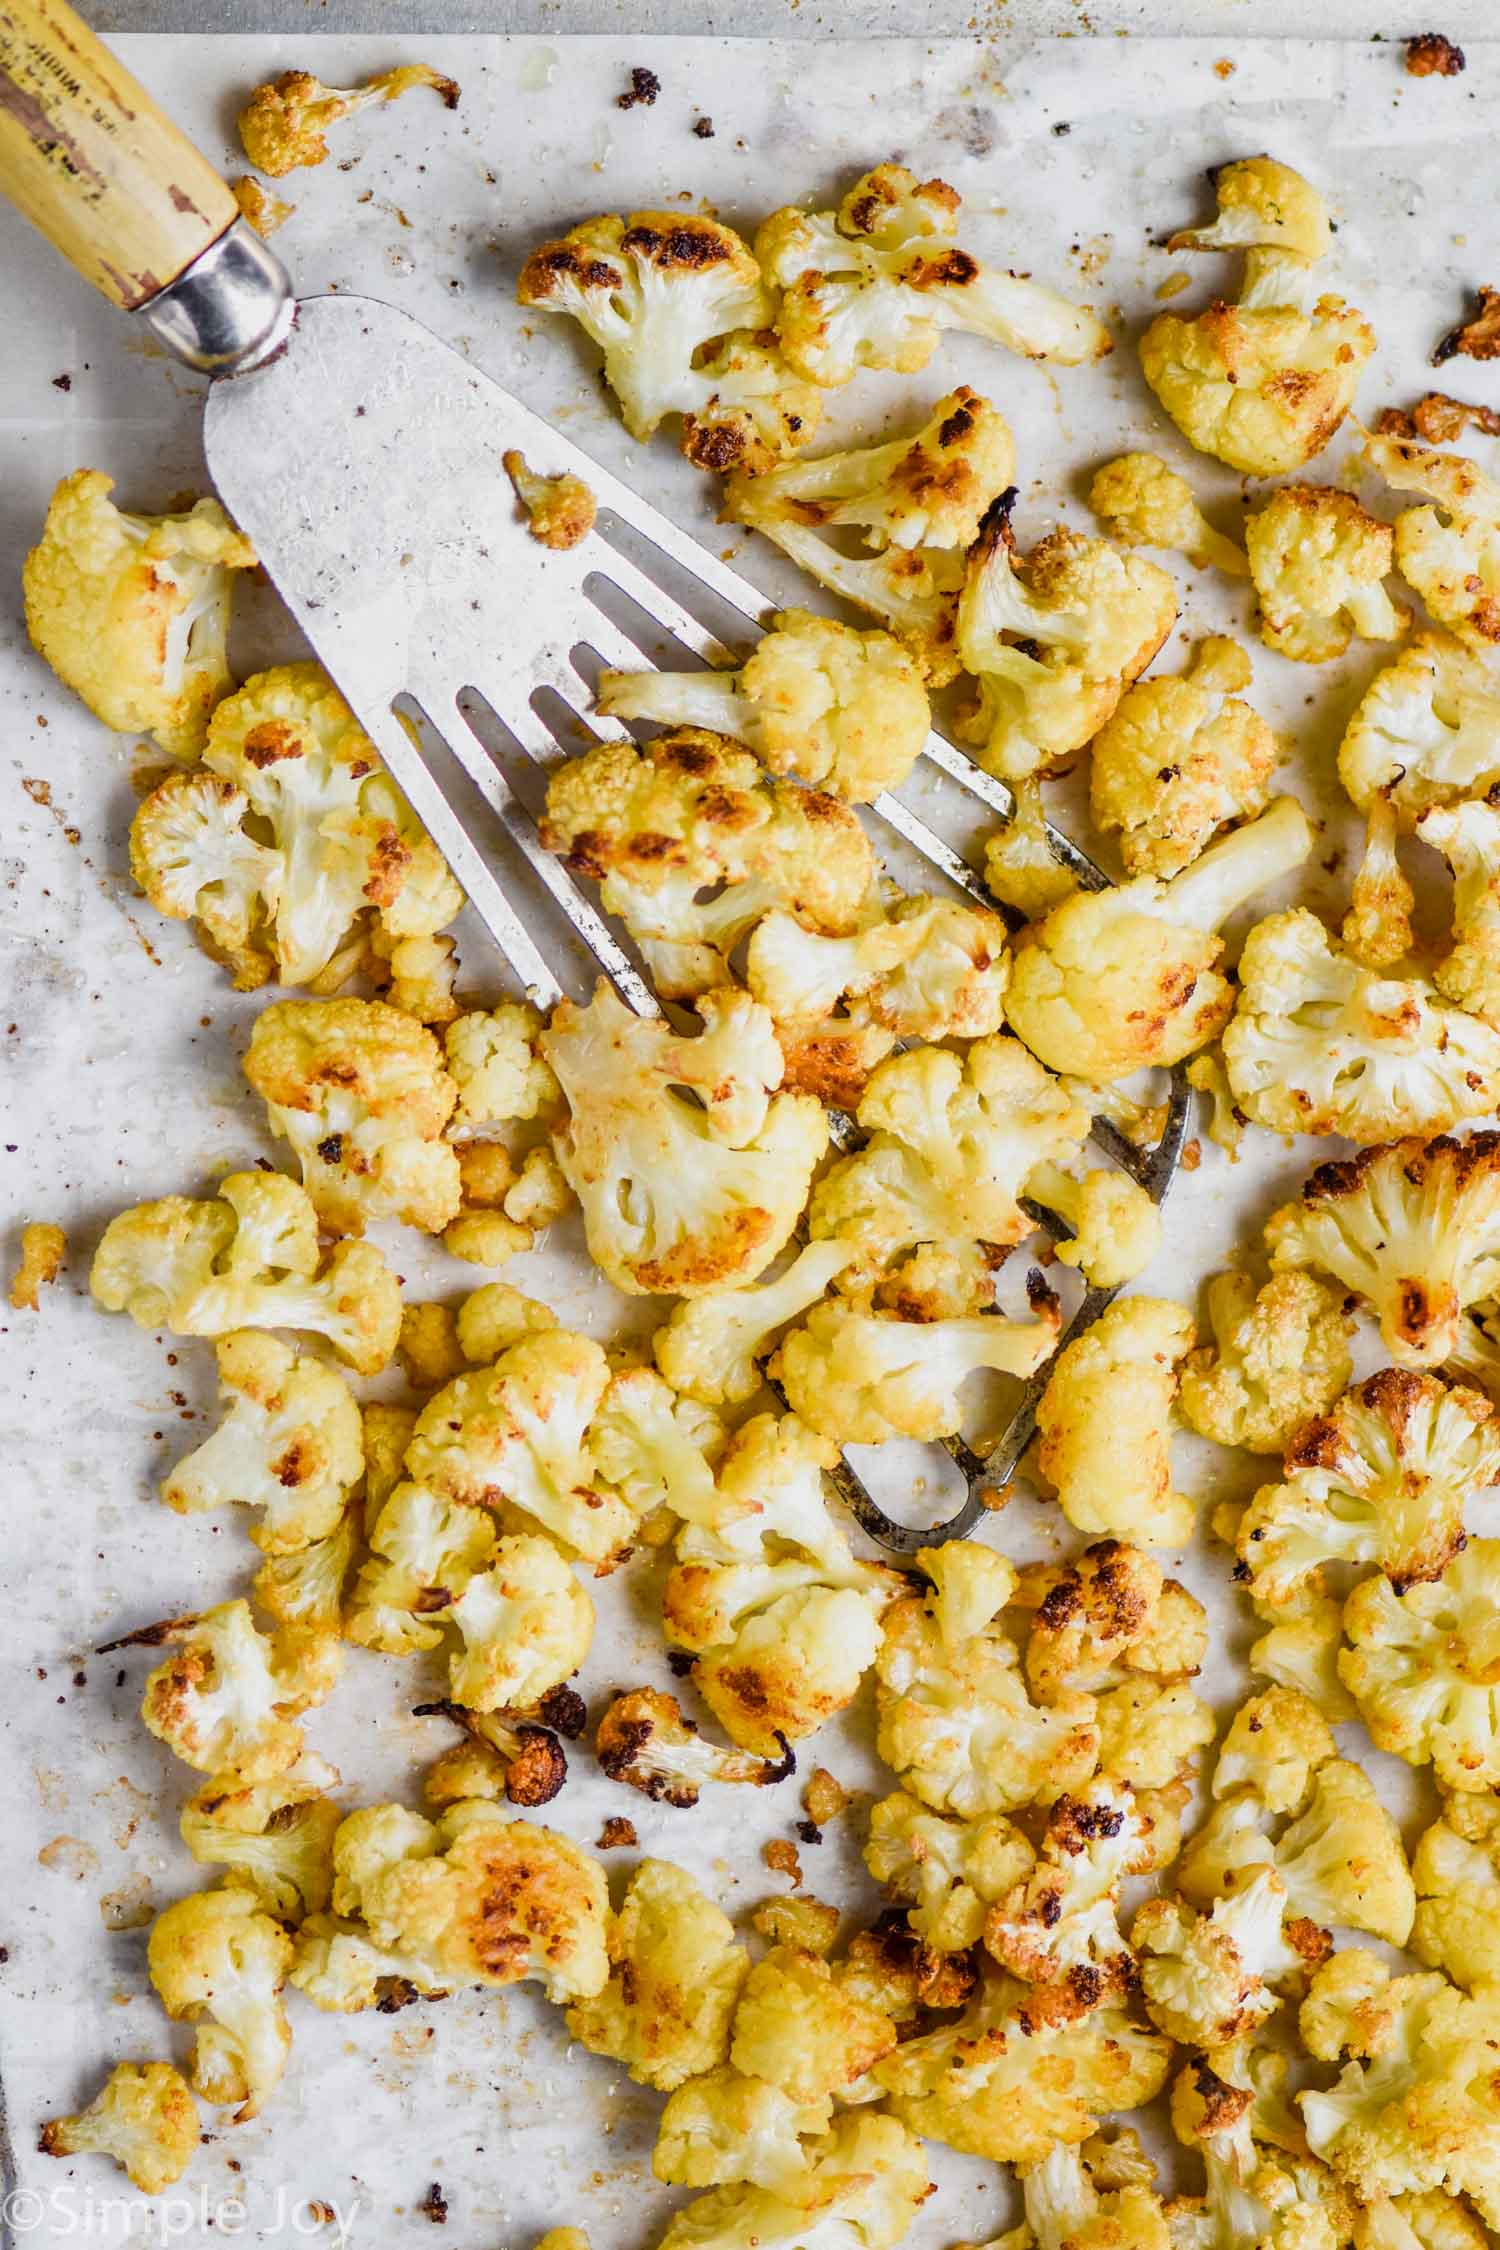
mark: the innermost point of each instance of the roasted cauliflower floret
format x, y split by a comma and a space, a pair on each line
947, 1872
1021, 868
491, 1056
290, 1444
144, 2116
283, 123
874, 283
1059, 1927
644, 1741
799, 2029
526, 1626
249, 1260
219, 1700
1120, 1376
1279, 1356
1109, 1613
866, 2181
424, 1549
1113, 980
1384, 1477
1318, 559
675, 1975
219, 1961
1115, 1225
1413, 1229
1143, 503
1262, 383
1448, 551
675, 303
860, 1376
1318, 1044
360, 1092
1053, 640
1377, 929
724, 2128
1208, 1979
511, 1754
560, 511
1180, 758
843, 710
1301, 1651
916, 502
1090, 2199
132, 612
1421, 1666
1276, 1742
1468, 836
1262, 2190
1425, 732
273, 1838
710, 1345
1456, 1868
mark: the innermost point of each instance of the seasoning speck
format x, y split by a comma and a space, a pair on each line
703, 128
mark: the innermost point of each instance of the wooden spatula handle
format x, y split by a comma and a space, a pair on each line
89, 158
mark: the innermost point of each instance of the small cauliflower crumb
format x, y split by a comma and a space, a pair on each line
824, 1797
560, 510
43, 1249
485, 1238
1430, 55
807, 1925
260, 207
283, 123
780, 1855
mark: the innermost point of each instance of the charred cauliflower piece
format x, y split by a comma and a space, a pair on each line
1143, 503
283, 123
1262, 2190
143, 2116
1119, 1376
1180, 758
525, 1623
843, 710
866, 2180
692, 811
1319, 1044
424, 1549
516, 1755
249, 1260
1207, 1979
1449, 551
219, 1961
1110, 1613
1426, 731
676, 304
680, 1196
874, 283
1421, 1667
644, 1741
1279, 1356
1053, 640
1413, 1229
560, 511
132, 612
676, 1973
1058, 1929
1113, 980
916, 502
1318, 559
1262, 383
290, 1444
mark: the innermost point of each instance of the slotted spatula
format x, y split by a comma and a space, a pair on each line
362, 457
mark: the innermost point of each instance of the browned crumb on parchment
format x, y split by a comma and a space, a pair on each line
824, 1797
1430, 55
260, 207
617, 1835
642, 91
43, 1249
1478, 337
434, 2205
780, 1855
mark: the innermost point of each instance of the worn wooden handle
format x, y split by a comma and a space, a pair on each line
90, 160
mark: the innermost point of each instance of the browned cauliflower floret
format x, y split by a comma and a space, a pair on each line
360, 1092
560, 510
864, 1376
1420, 1665
260, 206
1105, 1424
1143, 503
144, 2116
863, 2184
1058, 1929
1107, 1614
283, 123
1181, 758
1021, 866
797, 2028
219, 1961
1468, 836
272, 1837
43, 1249
1318, 560
1448, 551
1426, 731
948, 1871
675, 1975
1377, 929
221, 1700
1280, 1355
517, 1755
644, 1741
289, 1444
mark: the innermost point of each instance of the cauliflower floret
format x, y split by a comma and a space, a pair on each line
1342, 1860
644, 1741
957, 1725
1021, 866
1377, 929
1115, 1226
1414, 1229
769, 1496
1421, 1667
675, 1975
724, 2127
1208, 1979
916, 501
1317, 559
503, 1753
219, 1961
789, 1667
1276, 1742
292, 841
1058, 1926
560, 511
1468, 836
249, 1260
1384, 1477
290, 1444
1449, 552
526, 1626
1113, 980
283, 123
273, 1838
1317, 1044
800, 2030
1456, 1868
710, 1346
1263, 383
947, 1871
144, 2116
1279, 1356
43, 1249
951, 1142
1109, 1613
1301, 1651
1425, 732
1416, 2107
873, 284
1180, 758
843, 710
653, 292
492, 1058
655, 1447
1082, 622
692, 812
424, 1549
1074, 2200
1231, 2106
1104, 1421
132, 612
859, 1376
866, 2180
475, 1898
220, 1700
1143, 503
1150, 1731
360, 1092
680, 1196
1010, 2079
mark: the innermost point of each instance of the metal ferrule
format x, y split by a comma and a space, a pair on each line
230, 309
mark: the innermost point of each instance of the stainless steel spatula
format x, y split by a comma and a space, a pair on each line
362, 456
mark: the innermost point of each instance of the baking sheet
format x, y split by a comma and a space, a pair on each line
121, 1074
